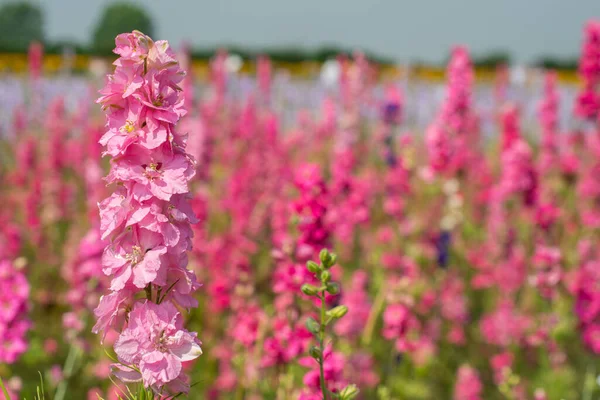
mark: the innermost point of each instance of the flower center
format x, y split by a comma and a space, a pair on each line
158, 102
163, 342
153, 170
135, 256
128, 127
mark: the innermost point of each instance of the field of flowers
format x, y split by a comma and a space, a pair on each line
270, 238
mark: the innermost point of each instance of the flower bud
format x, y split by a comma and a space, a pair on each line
315, 353
333, 288
313, 326
325, 257
313, 267
325, 276
333, 258
309, 290
338, 312
349, 392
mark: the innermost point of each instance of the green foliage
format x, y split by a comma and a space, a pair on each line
4, 391
492, 59
560, 64
561, 381
288, 54
117, 18
20, 24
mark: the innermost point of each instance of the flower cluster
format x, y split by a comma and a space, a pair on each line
451, 138
468, 384
588, 99
147, 218
548, 109
14, 306
586, 288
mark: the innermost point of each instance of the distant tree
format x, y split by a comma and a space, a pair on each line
118, 18
563, 64
20, 23
492, 59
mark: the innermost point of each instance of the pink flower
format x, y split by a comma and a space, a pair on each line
14, 307
110, 310
135, 258
399, 324
158, 173
468, 385
505, 326
155, 340
333, 368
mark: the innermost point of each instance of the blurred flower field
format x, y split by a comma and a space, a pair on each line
184, 221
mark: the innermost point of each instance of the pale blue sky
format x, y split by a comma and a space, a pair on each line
403, 30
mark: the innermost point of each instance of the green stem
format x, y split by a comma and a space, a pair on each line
375, 311
321, 347
148, 290
68, 371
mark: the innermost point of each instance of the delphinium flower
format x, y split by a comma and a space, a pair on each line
468, 384
309, 211
311, 208
19, 121
505, 325
586, 290
14, 308
547, 215
456, 111
452, 138
439, 150
10, 237
326, 382
391, 115
328, 124
188, 82
509, 126
356, 298
587, 104
55, 187
454, 308
501, 84
547, 270
147, 219
519, 175
84, 274
349, 206
263, 76
397, 188
218, 77
588, 190
401, 325
548, 111
26, 161
35, 60
333, 372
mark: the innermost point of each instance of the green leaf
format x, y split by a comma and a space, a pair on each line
4, 390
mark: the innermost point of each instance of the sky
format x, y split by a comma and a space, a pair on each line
421, 30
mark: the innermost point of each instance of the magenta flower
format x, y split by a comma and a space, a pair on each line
135, 258
156, 341
14, 307
468, 385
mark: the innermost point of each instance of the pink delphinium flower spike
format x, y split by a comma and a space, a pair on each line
147, 219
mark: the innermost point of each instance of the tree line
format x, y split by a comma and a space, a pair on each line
22, 22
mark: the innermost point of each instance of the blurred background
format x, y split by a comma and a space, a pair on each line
448, 152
